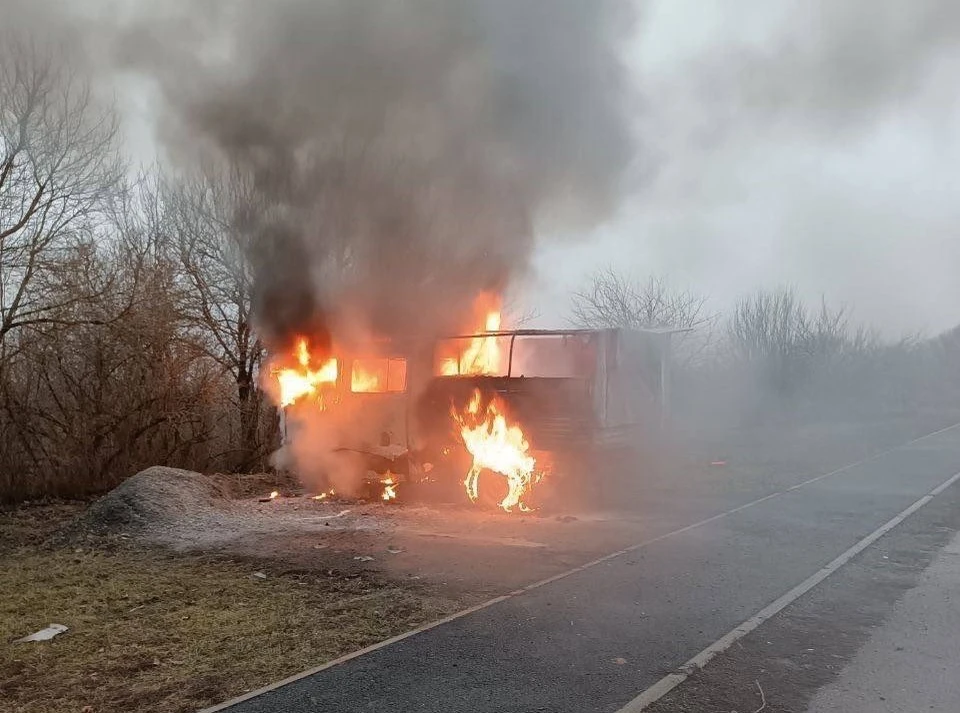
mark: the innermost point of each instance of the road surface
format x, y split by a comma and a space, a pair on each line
910, 661
831, 555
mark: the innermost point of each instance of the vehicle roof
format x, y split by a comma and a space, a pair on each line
568, 332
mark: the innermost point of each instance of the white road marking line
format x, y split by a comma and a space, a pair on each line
671, 681
562, 575
874, 457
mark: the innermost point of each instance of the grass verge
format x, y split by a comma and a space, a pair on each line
153, 631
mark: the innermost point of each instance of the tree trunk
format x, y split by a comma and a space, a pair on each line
248, 403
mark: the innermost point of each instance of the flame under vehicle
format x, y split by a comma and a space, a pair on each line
497, 412
576, 393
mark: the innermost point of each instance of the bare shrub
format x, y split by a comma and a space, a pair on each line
780, 354
788, 344
768, 333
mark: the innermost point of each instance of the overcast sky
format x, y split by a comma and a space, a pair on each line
809, 142
804, 142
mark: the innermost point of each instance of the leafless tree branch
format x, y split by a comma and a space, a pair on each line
612, 299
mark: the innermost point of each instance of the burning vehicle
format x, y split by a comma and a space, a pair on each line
408, 158
357, 400
492, 414
575, 393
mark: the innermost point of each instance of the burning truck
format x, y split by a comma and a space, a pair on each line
490, 415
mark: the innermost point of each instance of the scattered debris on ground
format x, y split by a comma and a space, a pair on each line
188, 511
464, 549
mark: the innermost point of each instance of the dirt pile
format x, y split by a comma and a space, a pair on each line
187, 511
154, 499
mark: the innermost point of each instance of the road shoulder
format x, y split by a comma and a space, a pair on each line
910, 661
809, 646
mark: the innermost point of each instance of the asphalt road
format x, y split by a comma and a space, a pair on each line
910, 661
596, 639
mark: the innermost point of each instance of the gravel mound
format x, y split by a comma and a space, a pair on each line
153, 500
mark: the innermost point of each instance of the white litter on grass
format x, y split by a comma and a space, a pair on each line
44, 634
259, 575
364, 558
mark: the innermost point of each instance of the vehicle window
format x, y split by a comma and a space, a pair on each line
473, 356
378, 375
561, 356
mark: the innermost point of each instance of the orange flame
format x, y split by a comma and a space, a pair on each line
297, 383
274, 495
497, 445
389, 489
364, 382
324, 496
481, 357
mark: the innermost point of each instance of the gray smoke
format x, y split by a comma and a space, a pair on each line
803, 142
403, 153
824, 68
841, 63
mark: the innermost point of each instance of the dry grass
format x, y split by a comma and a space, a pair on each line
31, 523
150, 631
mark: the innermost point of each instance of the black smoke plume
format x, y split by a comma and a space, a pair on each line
404, 153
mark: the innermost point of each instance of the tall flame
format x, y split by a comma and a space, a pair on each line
389, 488
495, 444
482, 357
297, 383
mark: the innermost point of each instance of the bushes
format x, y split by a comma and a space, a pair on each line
776, 356
789, 358
786, 345
125, 335
121, 386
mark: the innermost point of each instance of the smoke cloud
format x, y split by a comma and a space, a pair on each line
797, 142
403, 154
826, 66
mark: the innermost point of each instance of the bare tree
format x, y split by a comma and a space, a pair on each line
212, 250
792, 346
118, 385
59, 171
612, 299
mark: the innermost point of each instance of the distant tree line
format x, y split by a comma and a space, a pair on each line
775, 355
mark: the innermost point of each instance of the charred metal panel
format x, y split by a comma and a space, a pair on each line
556, 414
